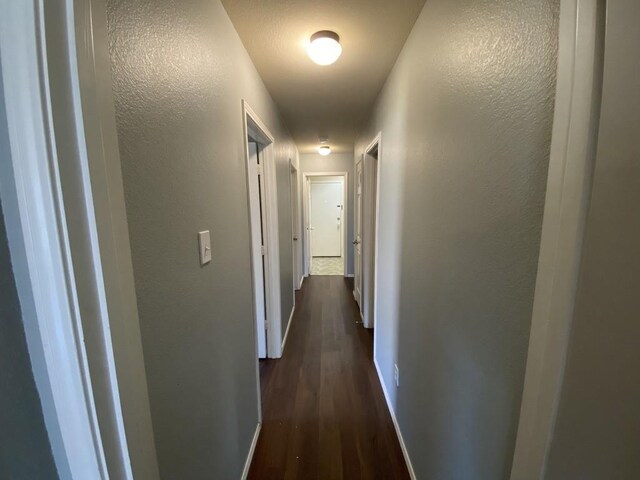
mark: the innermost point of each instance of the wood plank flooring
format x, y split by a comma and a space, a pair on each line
324, 413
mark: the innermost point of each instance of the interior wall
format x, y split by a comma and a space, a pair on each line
335, 162
179, 74
597, 433
466, 118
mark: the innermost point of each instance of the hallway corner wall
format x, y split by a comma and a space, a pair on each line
179, 74
466, 117
336, 162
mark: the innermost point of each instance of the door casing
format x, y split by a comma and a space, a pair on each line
370, 198
328, 243
255, 129
357, 234
306, 215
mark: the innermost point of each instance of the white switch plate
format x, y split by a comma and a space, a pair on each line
204, 243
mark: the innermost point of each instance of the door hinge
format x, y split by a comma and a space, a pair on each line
260, 169
263, 249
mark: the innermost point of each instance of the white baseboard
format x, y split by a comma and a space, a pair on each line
301, 280
405, 453
286, 333
350, 275
252, 449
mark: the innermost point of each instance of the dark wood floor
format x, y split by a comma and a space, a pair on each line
324, 413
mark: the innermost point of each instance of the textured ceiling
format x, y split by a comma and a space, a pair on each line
323, 101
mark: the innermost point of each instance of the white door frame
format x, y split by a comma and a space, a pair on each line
358, 181
306, 191
78, 301
296, 234
253, 126
576, 118
370, 225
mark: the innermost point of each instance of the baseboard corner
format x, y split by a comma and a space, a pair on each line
252, 449
286, 333
403, 447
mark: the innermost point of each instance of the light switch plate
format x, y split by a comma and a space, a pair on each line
204, 243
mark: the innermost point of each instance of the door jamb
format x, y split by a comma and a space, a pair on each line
296, 241
255, 127
40, 225
371, 290
306, 177
571, 162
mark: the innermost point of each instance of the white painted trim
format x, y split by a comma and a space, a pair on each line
107, 219
301, 281
36, 227
306, 176
286, 333
372, 290
296, 220
252, 449
566, 204
358, 203
78, 118
252, 124
405, 452
349, 275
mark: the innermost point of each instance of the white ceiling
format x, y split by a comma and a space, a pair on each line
323, 101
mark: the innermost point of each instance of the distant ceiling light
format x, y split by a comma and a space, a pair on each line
324, 48
324, 150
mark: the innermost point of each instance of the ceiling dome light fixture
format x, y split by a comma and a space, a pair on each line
324, 48
324, 150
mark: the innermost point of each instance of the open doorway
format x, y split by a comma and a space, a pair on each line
325, 221
295, 229
366, 221
264, 240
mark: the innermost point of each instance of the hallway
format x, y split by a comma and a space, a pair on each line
181, 305
324, 412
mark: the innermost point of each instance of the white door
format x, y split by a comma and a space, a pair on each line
256, 204
326, 219
357, 243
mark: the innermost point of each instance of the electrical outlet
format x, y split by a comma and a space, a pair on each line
396, 374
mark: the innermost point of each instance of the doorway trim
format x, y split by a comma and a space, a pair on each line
78, 302
296, 227
370, 291
253, 126
571, 162
306, 215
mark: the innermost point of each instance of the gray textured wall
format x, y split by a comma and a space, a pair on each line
597, 432
180, 72
336, 162
466, 119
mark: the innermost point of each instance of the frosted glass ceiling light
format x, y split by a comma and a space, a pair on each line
324, 150
324, 48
